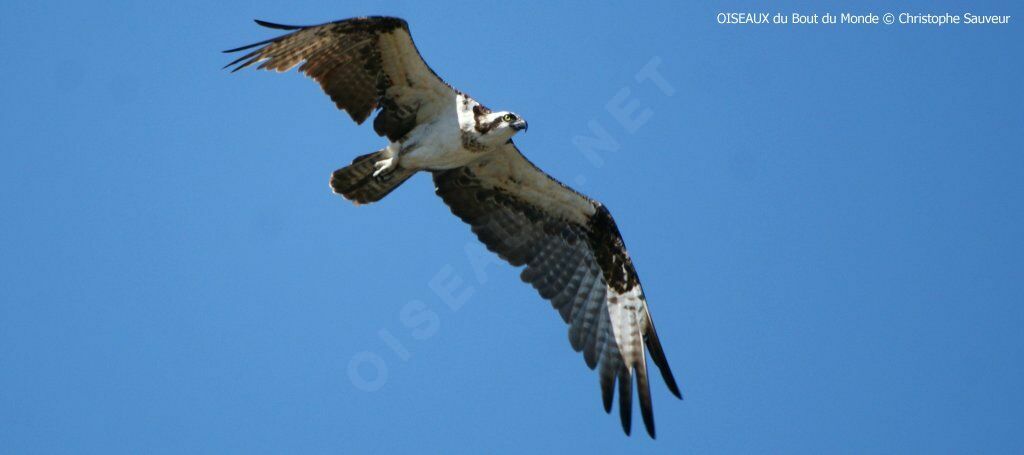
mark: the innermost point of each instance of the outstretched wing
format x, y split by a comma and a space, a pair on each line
363, 64
574, 257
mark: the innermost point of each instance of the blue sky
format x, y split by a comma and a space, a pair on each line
827, 221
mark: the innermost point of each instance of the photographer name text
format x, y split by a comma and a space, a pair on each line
903, 18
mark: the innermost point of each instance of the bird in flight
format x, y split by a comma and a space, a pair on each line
572, 250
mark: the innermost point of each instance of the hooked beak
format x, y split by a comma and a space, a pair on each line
520, 125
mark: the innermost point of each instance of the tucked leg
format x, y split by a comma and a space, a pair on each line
389, 162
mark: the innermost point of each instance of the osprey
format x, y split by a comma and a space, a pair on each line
572, 250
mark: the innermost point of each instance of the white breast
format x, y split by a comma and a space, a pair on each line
438, 144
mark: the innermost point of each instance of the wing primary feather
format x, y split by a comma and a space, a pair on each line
594, 344
250, 46
580, 307
626, 399
658, 357
280, 26
239, 59
644, 392
607, 390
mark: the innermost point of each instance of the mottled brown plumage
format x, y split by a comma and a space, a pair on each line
580, 266
363, 64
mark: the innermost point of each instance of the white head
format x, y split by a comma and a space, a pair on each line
497, 127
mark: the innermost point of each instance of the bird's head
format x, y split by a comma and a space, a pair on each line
499, 126
510, 121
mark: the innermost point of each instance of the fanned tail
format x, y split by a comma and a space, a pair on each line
356, 182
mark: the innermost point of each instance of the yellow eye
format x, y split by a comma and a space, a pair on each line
509, 118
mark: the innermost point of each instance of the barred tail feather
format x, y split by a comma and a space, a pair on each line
356, 182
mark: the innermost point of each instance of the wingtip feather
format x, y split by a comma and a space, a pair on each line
644, 392
659, 359
626, 400
277, 26
607, 391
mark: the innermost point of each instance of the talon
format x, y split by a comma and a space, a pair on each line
385, 166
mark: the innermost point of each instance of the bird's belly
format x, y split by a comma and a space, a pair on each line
434, 159
436, 152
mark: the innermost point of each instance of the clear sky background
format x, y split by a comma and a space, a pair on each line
827, 221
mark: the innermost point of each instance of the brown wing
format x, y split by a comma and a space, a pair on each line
574, 257
363, 64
